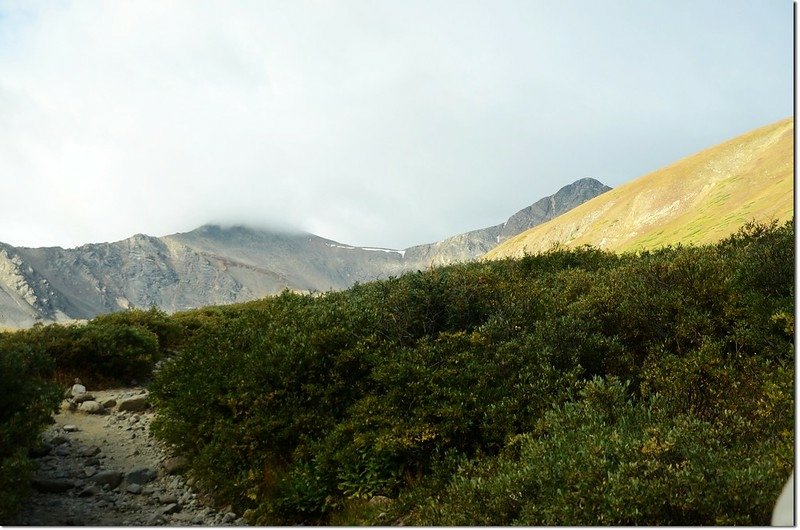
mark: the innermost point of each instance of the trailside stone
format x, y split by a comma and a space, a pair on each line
140, 475
111, 478
68, 406
133, 404
174, 465
134, 488
78, 389
168, 498
59, 439
91, 407
71, 428
89, 491
171, 508
80, 398
109, 403
90, 451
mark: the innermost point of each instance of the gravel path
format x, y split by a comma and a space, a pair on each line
104, 469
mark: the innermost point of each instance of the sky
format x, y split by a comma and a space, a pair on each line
370, 122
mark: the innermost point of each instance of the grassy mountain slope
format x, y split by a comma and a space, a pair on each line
700, 199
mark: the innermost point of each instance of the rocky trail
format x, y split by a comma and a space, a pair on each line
99, 466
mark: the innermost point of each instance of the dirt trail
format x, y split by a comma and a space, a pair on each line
104, 469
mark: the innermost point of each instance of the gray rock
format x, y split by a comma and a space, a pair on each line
78, 389
89, 471
91, 407
90, 451
140, 475
94, 461
155, 520
109, 403
111, 479
62, 450
71, 428
59, 439
171, 508
89, 491
228, 518
50, 485
183, 517
80, 398
134, 488
133, 404
174, 465
168, 498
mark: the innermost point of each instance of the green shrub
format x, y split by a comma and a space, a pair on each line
492, 393
28, 397
610, 460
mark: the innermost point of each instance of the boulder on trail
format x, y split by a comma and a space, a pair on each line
91, 407
112, 478
133, 404
77, 388
140, 475
80, 398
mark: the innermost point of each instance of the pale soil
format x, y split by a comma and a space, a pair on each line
124, 443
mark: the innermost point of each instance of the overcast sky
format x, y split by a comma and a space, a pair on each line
374, 123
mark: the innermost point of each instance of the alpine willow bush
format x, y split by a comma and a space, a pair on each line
569, 388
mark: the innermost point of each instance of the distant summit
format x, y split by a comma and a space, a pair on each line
471, 245
548, 208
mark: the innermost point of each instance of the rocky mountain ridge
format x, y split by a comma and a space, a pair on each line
213, 265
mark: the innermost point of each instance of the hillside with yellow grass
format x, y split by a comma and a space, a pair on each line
700, 199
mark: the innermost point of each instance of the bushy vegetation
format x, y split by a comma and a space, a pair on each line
28, 397
109, 350
569, 388
573, 387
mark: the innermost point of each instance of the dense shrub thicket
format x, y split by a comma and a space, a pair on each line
28, 397
573, 387
108, 350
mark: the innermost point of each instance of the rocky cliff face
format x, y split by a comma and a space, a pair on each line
471, 245
213, 265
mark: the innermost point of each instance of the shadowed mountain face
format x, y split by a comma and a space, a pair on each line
213, 265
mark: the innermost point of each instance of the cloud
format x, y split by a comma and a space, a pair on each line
374, 123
